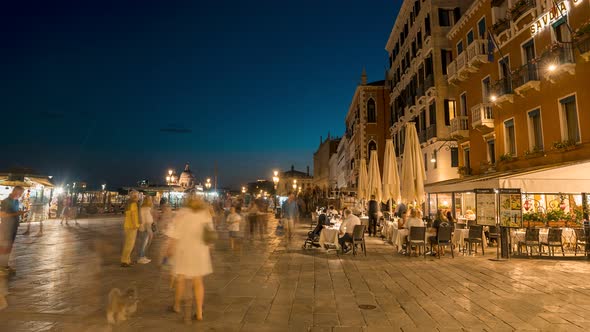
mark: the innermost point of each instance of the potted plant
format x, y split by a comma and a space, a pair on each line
564, 145
533, 219
557, 218
464, 170
507, 157
534, 152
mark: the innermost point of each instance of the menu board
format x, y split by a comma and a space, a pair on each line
510, 208
485, 200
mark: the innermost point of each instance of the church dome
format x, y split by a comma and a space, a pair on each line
187, 178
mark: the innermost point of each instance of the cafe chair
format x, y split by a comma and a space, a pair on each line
443, 238
580, 240
494, 234
531, 239
475, 237
358, 237
417, 239
553, 240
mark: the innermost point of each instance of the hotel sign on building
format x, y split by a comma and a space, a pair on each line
557, 11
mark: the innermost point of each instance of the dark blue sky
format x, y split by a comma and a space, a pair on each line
87, 86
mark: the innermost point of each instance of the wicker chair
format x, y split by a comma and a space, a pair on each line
417, 238
475, 237
358, 237
581, 240
531, 239
443, 238
553, 240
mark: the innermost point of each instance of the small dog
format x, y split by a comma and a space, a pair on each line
120, 305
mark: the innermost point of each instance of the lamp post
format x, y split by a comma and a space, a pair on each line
208, 184
276, 180
170, 178
295, 186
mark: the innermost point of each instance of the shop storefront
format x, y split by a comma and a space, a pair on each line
554, 196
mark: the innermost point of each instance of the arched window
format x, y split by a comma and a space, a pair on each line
371, 116
372, 146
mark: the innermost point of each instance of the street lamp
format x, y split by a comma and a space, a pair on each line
208, 184
243, 190
294, 184
104, 186
170, 179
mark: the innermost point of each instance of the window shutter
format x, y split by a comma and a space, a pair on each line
454, 157
447, 113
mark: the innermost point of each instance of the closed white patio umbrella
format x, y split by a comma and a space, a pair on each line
363, 183
413, 173
374, 187
390, 175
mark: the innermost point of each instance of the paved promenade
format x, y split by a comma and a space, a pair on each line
64, 276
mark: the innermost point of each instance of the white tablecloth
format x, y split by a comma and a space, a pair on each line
568, 236
329, 235
460, 235
387, 229
399, 237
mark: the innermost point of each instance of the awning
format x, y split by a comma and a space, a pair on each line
564, 178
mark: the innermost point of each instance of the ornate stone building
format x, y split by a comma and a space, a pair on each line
322, 173
187, 178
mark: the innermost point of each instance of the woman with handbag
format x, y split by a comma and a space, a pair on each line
191, 235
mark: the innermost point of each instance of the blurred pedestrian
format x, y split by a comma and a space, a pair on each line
131, 225
233, 221
290, 213
10, 213
192, 259
253, 218
145, 233
373, 215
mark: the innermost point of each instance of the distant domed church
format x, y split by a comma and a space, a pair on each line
187, 178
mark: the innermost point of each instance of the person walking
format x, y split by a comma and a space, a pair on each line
253, 218
145, 233
10, 216
131, 225
291, 214
233, 221
373, 215
192, 259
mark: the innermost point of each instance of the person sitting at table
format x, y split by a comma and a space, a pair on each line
401, 212
346, 228
332, 211
322, 222
451, 220
440, 221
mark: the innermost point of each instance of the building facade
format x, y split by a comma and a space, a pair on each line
366, 126
520, 74
294, 181
322, 172
419, 53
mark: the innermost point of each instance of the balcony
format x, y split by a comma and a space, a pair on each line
559, 59
460, 126
502, 90
428, 83
452, 71
482, 115
526, 78
461, 62
521, 7
422, 136
431, 132
500, 26
583, 44
477, 53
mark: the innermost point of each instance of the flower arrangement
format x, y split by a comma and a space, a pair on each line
533, 152
500, 25
519, 7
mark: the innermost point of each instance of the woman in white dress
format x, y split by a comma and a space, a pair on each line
192, 259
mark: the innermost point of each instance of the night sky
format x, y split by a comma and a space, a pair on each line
117, 91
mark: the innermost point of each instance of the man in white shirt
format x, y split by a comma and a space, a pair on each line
346, 228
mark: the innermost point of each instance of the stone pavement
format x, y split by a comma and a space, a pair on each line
63, 279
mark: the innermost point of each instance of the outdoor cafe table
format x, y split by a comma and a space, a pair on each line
388, 229
568, 236
460, 235
329, 235
399, 237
